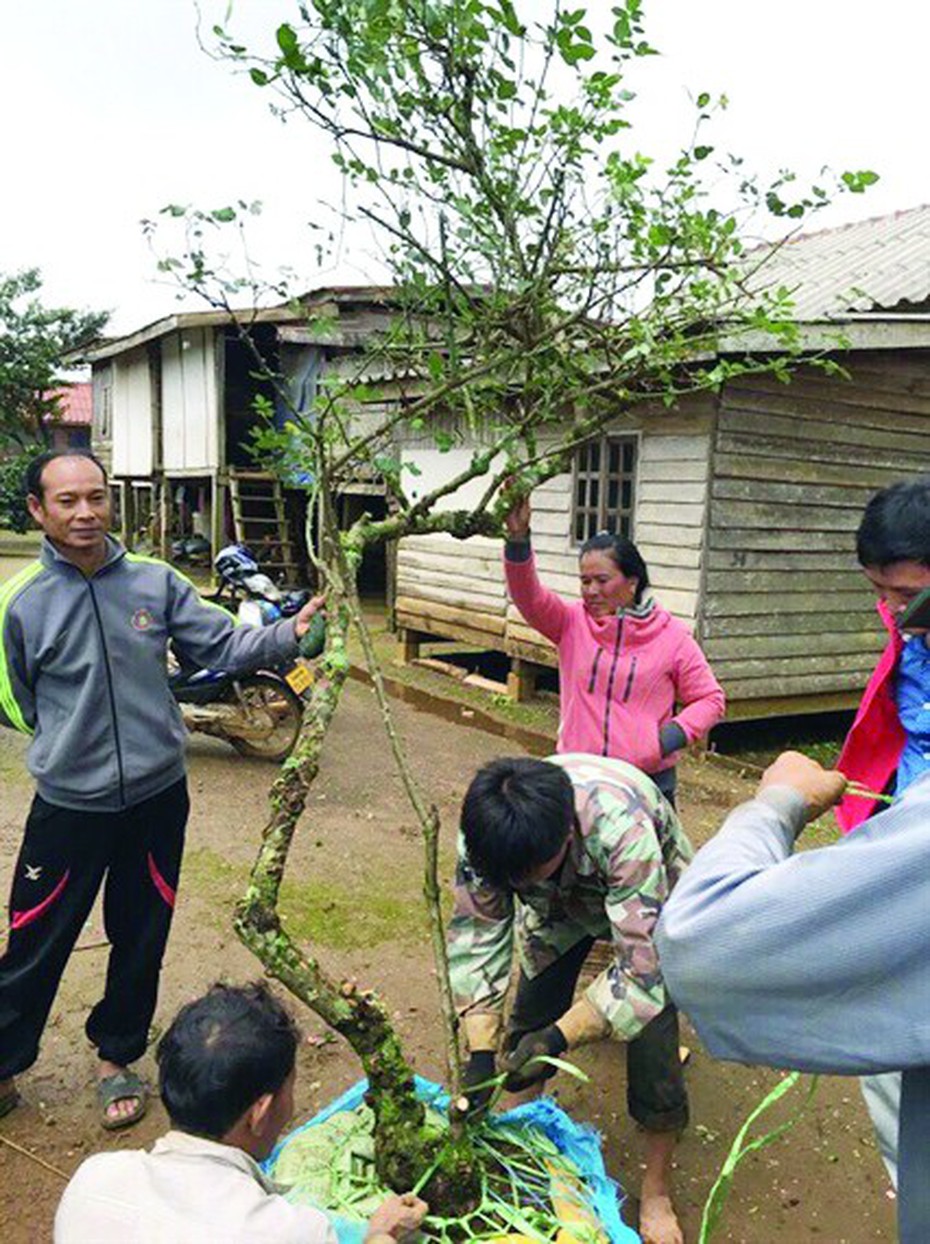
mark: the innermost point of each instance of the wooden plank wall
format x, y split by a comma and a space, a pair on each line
190, 402
452, 588
786, 615
133, 421
671, 505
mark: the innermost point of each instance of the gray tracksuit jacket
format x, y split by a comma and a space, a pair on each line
83, 669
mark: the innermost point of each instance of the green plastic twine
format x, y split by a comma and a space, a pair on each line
719, 1193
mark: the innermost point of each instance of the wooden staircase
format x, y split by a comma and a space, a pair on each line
260, 521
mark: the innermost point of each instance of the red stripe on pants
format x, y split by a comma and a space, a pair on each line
22, 918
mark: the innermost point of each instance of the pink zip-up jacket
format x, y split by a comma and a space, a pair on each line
876, 738
621, 677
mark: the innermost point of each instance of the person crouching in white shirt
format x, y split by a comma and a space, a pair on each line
227, 1067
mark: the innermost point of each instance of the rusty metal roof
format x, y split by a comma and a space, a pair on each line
881, 264
75, 403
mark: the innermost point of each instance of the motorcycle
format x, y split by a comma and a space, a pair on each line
259, 714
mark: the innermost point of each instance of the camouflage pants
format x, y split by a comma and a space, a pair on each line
656, 1096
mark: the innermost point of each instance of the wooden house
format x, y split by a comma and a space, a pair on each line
743, 503
174, 413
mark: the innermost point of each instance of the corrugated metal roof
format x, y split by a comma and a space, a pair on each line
75, 403
881, 264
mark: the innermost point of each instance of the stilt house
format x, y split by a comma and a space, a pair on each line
174, 413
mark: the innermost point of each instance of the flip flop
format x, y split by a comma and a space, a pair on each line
8, 1102
122, 1086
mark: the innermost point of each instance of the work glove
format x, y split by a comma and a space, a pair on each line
522, 1071
480, 1067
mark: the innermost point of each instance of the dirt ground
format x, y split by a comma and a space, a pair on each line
353, 893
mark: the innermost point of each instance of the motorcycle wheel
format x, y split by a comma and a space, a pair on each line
271, 702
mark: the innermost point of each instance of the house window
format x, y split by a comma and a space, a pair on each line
605, 473
105, 410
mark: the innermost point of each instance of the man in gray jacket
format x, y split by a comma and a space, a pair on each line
819, 960
83, 636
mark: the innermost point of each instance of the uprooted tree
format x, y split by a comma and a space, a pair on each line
547, 279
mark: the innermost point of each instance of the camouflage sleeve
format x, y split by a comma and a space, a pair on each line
480, 943
630, 992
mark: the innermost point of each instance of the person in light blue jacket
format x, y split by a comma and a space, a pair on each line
818, 960
83, 638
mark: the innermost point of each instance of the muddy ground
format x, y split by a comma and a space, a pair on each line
354, 891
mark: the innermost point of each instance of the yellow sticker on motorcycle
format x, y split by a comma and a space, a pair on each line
298, 679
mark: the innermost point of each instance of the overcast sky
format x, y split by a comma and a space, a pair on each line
111, 110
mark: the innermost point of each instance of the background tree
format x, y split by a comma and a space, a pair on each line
14, 516
548, 278
33, 339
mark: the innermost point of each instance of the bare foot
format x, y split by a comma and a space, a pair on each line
658, 1223
123, 1109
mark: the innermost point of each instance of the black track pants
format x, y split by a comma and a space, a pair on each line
656, 1094
63, 860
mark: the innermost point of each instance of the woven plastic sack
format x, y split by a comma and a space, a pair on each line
576, 1141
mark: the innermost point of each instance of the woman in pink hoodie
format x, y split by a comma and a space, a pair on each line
634, 683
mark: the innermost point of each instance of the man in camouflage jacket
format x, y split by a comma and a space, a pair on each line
554, 854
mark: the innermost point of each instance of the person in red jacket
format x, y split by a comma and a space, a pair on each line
634, 684
888, 744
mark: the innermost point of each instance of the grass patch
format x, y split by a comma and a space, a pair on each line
326, 914
538, 714
321, 913
820, 833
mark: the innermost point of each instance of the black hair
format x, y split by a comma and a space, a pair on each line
896, 525
516, 816
32, 476
626, 556
221, 1054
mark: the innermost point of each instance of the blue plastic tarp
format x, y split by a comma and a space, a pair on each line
580, 1143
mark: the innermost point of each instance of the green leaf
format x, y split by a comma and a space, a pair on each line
258, 76
560, 1064
287, 39
719, 1193
858, 182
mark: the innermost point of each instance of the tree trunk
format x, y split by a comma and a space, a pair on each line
404, 1150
